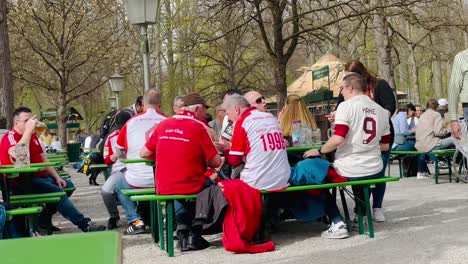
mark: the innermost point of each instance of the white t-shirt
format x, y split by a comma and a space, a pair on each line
87, 143
363, 124
110, 148
132, 138
257, 136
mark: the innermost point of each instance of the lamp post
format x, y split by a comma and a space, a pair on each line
117, 84
113, 102
143, 13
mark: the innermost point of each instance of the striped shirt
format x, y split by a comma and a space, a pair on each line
458, 85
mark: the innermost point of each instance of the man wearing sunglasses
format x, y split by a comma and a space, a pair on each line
256, 100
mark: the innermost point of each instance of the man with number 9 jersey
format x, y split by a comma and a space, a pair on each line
258, 139
362, 130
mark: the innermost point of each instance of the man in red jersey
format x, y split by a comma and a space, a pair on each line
45, 181
183, 151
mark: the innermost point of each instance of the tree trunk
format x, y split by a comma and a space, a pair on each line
62, 121
437, 78
171, 91
280, 81
384, 50
6, 82
414, 73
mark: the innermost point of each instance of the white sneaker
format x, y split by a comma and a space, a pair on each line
378, 215
336, 231
422, 176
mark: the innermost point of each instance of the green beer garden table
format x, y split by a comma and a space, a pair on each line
88, 248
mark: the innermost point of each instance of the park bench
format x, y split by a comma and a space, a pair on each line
445, 154
90, 248
157, 226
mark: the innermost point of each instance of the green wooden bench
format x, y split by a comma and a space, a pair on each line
148, 195
446, 154
90, 248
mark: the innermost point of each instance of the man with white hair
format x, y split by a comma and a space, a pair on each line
183, 150
257, 137
257, 100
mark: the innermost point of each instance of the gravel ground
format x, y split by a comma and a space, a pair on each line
426, 223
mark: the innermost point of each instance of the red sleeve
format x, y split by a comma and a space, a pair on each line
386, 139
233, 160
207, 144
5, 146
122, 139
108, 152
239, 140
341, 130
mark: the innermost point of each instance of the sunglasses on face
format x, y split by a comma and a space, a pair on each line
260, 100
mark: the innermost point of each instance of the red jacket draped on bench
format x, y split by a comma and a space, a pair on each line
242, 218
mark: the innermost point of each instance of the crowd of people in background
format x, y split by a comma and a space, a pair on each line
194, 152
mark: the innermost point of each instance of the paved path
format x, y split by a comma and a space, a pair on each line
426, 223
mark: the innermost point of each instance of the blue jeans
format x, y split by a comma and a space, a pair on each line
129, 206
2, 220
65, 207
444, 144
331, 209
408, 145
379, 191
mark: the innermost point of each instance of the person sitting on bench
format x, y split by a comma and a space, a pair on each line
183, 150
111, 157
429, 135
362, 131
131, 139
45, 181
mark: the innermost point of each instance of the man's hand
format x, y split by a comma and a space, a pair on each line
222, 146
61, 183
311, 153
31, 124
455, 129
115, 156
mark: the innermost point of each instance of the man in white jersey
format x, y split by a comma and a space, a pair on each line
257, 138
131, 139
256, 99
361, 132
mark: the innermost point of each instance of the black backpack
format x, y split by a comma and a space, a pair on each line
108, 126
410, 165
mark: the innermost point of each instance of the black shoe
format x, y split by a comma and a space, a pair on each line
135, 228
93, 227
44, 231
197, 243
112, 223
182, 240
55, 229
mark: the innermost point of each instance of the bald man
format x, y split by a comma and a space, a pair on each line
256, 100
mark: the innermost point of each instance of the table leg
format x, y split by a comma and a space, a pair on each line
449, 162
170, 227
345, 209
436, 175
154, 222
400, 167
360, 216
162, 243
370, 225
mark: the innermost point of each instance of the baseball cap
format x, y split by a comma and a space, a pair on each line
193, 99
442, 102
